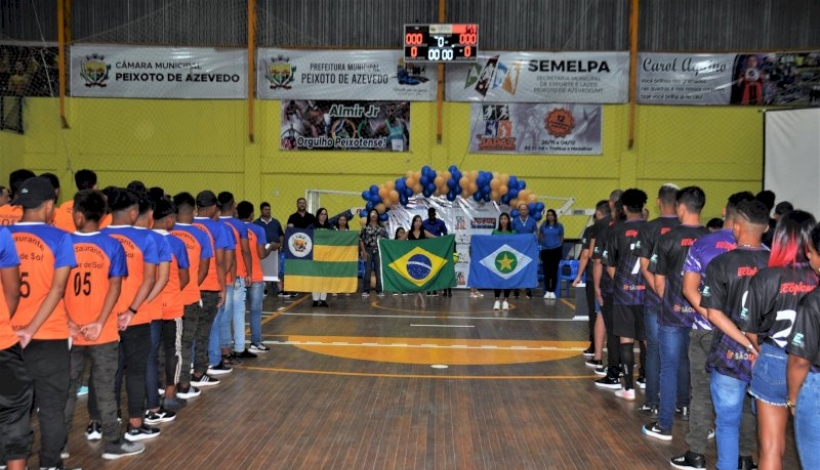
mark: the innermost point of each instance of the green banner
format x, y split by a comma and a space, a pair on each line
417, 265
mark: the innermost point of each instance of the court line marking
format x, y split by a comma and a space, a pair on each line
421, 317
445, 326
420, 376
377, 304
421, 346
567, 303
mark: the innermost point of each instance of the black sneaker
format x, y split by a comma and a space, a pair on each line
122, 448
594, 364
689, 460
141, 433
94, 431
647, 408
219, 369
188, 392
323, 303
682, 412
589, 353
230, 360
257, 348
609, 382
654, 430
602, 370
204, 381
315, 303
245, 355
641, 380
746, 463
159, 416
174, 404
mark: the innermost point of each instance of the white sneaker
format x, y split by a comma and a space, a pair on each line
552, 295
627, 394
505, 305
497, 305
546, 295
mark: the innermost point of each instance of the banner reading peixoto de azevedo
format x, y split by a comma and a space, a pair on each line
343, 75
534, 77
105, 71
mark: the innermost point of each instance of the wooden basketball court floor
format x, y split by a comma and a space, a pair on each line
356, 386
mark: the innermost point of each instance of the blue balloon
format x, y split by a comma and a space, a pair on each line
512, 182
400, 184
539, 206
505, 199
425, 169
408, 191
431, 187
432, 174
451, 197
452, 168
366, 195
374, 189
426, 192
458, 190
451, 183
367, 207
477, 197
537, 215
514, 213
424, 180
375, 199
487, 197
513, 193
383, 217
522, 184
531, 206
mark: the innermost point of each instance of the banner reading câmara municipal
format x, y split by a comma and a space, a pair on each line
158, 72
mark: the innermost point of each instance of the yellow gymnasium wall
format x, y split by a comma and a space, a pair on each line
193, 145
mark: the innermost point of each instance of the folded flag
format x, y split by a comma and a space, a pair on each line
417, 265
503, 261
321, 260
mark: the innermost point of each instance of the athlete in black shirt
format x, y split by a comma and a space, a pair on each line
596, 322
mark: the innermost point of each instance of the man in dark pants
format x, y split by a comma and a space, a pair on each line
47, 256
593, 352
603, 294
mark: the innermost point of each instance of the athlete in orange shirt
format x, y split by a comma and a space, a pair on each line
10, 213
46, 256
63, 218
256, 292
95, 285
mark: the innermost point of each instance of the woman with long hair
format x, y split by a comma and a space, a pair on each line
369, 238
504, 227
320, 298
341, 223
417, 232
551, 238
772, 300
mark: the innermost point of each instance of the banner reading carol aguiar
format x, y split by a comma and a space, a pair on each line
158, 72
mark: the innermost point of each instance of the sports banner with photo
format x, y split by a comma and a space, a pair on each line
345, 125
756, 79
555, 129
343, 74
416, 265
321, 260
504, 262
158, 72
536, 77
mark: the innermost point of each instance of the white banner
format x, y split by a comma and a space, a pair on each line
684, 78
270, 267
348, 75
158, 72
534, 77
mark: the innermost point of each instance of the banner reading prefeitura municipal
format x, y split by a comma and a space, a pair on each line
533, 77
554, 129
345, 125
343, 75
756, 79
158, 72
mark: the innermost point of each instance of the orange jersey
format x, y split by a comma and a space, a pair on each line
198, 247
8, 259
154, 307
172, 304
99, 258
240, 232
220, 237
10, 215
42, 250
64, 218
140, 250
256, 237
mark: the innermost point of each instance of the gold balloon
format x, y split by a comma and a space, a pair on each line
503, 189
495, 183
383, 192
390, 185
394, 196
380, 208
494, 195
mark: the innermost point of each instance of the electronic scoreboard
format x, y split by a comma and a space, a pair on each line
440, 42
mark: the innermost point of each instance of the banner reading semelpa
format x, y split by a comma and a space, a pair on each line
532, 77
555, 129
754, 79
158, 72
353, 74
345, 125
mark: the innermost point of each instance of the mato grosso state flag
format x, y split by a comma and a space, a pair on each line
417, 265
503, 261
321, 260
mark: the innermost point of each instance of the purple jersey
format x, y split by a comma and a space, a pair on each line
725, 287
629, 284
668, 260
645, 246
772, 302
804, 340
698, 259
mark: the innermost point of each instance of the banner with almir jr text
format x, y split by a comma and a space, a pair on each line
158, 72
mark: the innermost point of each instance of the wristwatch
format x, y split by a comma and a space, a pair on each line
790, 404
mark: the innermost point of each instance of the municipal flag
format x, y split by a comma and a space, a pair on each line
417, 265
503, 261
321, 260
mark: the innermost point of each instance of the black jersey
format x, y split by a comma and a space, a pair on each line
586, 237
602, 231
619, 252
647, 240
667, 260
804, 340
772, 302
725, 288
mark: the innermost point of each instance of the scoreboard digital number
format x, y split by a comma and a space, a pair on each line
440, 42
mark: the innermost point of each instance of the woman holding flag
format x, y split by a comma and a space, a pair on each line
417, 232
504, 228
320, 298
369, 238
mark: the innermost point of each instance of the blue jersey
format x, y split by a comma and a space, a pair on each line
700, 255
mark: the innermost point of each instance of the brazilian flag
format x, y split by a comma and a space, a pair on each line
417, 265
321, 260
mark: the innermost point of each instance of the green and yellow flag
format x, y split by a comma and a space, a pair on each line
321, 260
417, 265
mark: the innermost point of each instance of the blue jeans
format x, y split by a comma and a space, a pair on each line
728, 394
255, 296
239, 294
152, 368
806, 424
652, 368
674, 352
221, 329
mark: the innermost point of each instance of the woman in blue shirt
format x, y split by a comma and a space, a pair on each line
551, 238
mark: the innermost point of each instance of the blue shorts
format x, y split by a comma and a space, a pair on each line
769, 376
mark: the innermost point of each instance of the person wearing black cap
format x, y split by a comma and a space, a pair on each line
142, 257
47, 256
10, 214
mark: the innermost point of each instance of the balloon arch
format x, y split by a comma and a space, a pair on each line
482, 186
